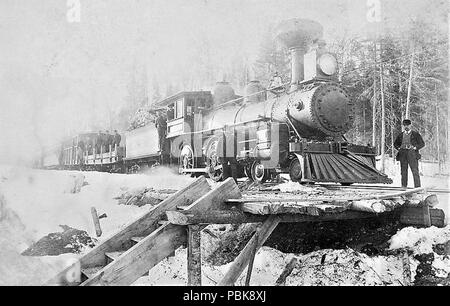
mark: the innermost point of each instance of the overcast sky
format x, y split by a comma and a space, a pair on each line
55, 75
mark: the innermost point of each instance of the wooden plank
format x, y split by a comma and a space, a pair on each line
142, 226
216, 198
255, 208
114, 255
98, 229
212, 217
194, 258
252, 260
89, 272
268, 208
238, 217
242, 260
319, 199
413, 215
160, 244
142, 257
147, 223
137, 239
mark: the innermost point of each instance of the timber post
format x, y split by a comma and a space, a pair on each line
242, 260
252, 260
194, 257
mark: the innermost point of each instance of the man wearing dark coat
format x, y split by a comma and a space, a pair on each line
408, 144
161, 126
117, 139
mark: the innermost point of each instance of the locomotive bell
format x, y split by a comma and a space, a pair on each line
297, 35
254, 92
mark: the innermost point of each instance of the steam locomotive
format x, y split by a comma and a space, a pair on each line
297, 129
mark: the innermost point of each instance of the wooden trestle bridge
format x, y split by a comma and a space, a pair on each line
177, 221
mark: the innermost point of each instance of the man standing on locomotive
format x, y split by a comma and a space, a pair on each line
408, 145
161, 126
117, 139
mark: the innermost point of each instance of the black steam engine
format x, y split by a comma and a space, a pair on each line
295, 128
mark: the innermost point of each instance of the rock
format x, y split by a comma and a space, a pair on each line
70, 240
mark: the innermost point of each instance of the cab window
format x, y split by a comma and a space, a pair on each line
179, 111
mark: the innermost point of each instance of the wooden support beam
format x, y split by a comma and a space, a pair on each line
133, 263
242, 260
267, 208
194, 258
216, 199
162, 242
319, 199
142, 226
96, 220
238, 217
212, 217
252, 260
415, 215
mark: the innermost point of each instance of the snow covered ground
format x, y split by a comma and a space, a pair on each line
34, 203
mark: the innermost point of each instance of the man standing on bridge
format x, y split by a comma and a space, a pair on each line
408, 145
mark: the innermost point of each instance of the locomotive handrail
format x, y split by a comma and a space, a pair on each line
228, 125
253, 94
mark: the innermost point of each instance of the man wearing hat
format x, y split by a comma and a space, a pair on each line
408, 145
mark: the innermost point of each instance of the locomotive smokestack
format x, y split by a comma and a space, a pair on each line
297, 35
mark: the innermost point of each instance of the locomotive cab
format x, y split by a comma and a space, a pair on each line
182, 110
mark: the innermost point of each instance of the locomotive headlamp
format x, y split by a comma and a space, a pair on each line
327, 64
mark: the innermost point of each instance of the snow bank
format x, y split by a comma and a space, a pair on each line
43, 199
345, 267
33, 203
321, 268
420, 241
268, 265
